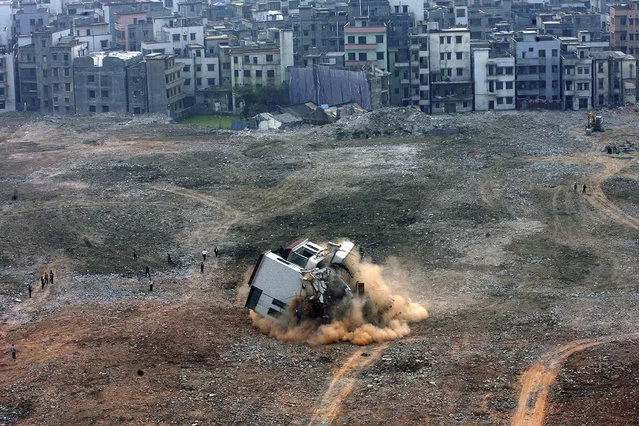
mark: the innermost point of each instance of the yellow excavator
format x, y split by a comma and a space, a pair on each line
595, 123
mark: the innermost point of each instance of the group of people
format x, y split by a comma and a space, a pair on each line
47, 278
204, 254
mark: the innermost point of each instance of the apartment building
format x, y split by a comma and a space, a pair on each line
494, 78
102, 82
96, 35
7, 80
46, 73
576, 78
614, 79
537, 72
451, 81
419, 45
28, 18
365, 46
624, 27
164, 84
318, 30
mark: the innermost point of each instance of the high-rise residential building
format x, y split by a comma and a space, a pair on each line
365, 45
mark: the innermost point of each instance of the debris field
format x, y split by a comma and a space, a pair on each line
531, 286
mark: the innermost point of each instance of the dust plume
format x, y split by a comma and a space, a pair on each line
379, 316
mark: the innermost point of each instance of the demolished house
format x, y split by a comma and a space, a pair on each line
305, 279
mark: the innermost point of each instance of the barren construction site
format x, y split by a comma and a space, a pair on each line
531, 287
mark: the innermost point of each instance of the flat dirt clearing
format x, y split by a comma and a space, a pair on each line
532, 288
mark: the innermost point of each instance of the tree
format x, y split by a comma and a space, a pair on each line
261, 99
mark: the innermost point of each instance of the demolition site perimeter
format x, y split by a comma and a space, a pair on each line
531, 287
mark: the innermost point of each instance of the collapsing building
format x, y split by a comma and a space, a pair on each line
303, 278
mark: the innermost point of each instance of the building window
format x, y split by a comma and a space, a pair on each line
542, 53
187, 81
91, 108
91, 79
210, 67
380, 55
458, 39
449, 39
458, 55
601, 83
500, 85
247, 73
351, 40
105, 94
500, 101
192, 36
379, 39
210, 81
198, 68
105, 108
361, 40
460, 72
269, 58
509, 85
351, 56
362, 56
176, 37
91, 94
67, 87
236, 73
270, 73
555, 52
509, 100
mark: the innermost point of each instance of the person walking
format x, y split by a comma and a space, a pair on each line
150, 284
13, 351
575, 187
46, 277
42, 281
204, 253
168, 259
30, 290
216, 251
583, 189
201, 267
147, 272
51, 276
135, 256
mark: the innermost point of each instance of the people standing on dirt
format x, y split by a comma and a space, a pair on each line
201, 267
51, 276
42, 281
135, 256
575, 187
168, 259
150, 284
30, 290
204, 253
216, 251
583, 189
147, 272
46, 277
13, 351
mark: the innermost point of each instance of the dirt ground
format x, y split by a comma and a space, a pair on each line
532, 288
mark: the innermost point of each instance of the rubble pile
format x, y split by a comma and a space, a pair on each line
392, 122
622, 148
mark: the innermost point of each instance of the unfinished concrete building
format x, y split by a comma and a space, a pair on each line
164, 84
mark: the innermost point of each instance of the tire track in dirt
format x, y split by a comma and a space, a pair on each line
601, 202
537, 380
342, 384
